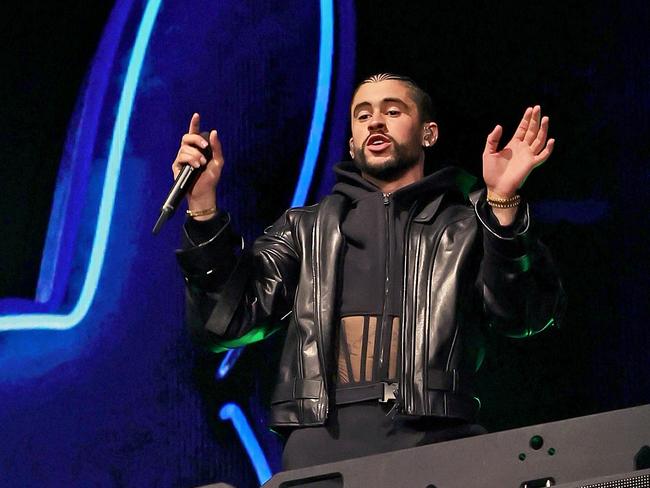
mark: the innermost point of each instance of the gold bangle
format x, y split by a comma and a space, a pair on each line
503, 205
510, 202
201, 213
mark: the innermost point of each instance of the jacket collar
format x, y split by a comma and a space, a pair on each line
428, 191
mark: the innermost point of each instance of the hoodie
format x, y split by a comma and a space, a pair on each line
370, 287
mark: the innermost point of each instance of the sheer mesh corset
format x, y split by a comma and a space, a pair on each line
362, 344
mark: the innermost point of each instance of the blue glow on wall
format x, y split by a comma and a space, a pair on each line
326, 49
323, 87
581, 212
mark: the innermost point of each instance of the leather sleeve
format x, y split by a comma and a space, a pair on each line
234, 295
521, 290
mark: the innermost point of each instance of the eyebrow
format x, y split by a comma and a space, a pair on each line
360, 105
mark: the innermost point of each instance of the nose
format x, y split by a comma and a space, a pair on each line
377, 122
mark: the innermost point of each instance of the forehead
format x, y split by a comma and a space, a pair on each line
374, 92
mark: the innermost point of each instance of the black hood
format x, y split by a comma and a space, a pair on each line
450, 179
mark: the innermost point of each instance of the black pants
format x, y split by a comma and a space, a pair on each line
362, 429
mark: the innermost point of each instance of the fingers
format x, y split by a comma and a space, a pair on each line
190, 151
520, 133
195, 124
533, 124
544, 155
492, 142
540, 140
536, 133
192, 156
191, 144
194, 140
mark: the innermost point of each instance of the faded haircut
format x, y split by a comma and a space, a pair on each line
421, 98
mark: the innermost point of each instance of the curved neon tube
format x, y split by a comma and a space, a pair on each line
227, 362
72, 179
232, 412
323, 86
105, 215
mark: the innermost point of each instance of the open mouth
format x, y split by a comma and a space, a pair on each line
378, 142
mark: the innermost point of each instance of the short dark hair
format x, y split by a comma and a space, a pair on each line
421, 98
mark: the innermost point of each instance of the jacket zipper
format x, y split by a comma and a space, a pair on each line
389, 232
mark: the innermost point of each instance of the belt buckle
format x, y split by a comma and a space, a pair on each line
388, 392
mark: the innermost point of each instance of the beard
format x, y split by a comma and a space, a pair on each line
392, 168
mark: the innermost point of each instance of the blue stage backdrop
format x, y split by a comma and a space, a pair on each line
99, 385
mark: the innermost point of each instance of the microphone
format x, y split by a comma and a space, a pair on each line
182, 184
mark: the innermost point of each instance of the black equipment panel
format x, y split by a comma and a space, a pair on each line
552, 454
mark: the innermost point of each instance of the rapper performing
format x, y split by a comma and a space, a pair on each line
386, 287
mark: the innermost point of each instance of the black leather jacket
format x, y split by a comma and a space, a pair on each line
460, 278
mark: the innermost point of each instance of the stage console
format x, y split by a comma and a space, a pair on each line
607, 450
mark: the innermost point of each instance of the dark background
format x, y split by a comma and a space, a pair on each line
46, 52
586, 63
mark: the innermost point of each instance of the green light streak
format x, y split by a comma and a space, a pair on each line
255, 335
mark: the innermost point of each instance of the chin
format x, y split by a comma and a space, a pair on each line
380, 161
386, 167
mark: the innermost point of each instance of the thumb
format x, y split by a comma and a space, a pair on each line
492, 142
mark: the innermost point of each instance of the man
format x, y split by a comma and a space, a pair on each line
385, 287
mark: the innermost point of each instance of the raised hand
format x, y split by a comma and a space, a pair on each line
505, 170
203, 194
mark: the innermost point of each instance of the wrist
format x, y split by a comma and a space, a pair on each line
198, 202
202, 208
498, 194
503, 200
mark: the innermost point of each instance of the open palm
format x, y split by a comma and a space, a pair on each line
505, 170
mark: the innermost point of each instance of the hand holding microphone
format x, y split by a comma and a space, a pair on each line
197, 170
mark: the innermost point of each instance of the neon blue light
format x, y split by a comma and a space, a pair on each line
323, 87
320, 105
105, 214
232, 412
72, 180
228, 362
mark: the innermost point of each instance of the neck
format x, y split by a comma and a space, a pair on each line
416, 173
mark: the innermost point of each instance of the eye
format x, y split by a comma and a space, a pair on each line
363, 116
393, 112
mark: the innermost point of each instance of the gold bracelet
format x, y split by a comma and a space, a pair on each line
503, 205
201, 213
510, 202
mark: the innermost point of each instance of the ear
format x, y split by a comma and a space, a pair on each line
430, 134
351, 147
